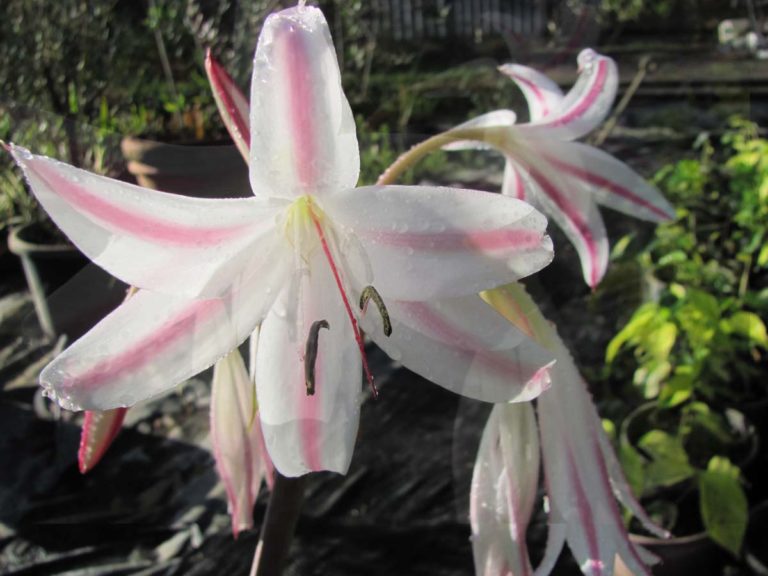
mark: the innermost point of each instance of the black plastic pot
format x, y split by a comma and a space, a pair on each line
756, 540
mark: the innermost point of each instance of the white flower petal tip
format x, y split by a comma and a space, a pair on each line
232, 104
236, 438
303, 136
98, 432
503, 492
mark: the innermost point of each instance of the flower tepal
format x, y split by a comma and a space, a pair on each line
300, 251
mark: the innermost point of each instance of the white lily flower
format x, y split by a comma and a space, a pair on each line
582, 474
565, 178
292, 259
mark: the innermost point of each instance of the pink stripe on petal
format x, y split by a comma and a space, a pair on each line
602, 182
294, 56
581, 226
463, 342
231, 102
536, 93
587, 101
147, 349
586, 518
142, 226
484, 240
98, 432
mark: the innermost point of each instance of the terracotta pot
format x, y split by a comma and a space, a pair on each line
203, 171
696, 555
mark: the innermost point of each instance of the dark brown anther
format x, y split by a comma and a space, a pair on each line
310, 354
370, 293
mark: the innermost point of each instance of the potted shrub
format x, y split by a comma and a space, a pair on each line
698, 348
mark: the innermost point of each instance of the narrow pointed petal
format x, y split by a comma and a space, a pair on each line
154, 341
153, 240
543, 95
427, 242
583, 507
232, 104
269, 467
580, 490
487, 130
463, 345
576, 213
585, 106
302, 131
609, 180
309, 432
235, 436
504, 486
98, 432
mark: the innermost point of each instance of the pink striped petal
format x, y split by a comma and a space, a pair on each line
307, 433
232, 104
576, 213
579, 486
303, 137
543, 96
236, 438
269, 467
504, 487
609, 180
154, 341
585, 106
464, 346
153, 240
98, 432
513, 184
428, 242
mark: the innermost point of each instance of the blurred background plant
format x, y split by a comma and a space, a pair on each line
698, 348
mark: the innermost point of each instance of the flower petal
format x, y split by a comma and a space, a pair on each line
504, 487
305, 433
154, 341
585, 106
232, 104
579, 486
613, 183
235, 436
543, 95
427, 242
463, 345
98, 432
513, 184
302, 131
161, 242
576, 213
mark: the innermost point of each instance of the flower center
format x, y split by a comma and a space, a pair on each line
305, 229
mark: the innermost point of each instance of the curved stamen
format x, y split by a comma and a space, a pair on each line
370, 293
310, 354
340, 285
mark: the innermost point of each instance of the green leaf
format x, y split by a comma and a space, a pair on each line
640, 320
723, 504
633, 465
750, 326
659, 342
679, 387
762, 257
669, 462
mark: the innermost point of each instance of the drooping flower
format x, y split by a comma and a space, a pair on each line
583, 476
545, 166
293, 259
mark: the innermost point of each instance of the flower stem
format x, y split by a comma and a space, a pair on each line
279, 525
408, 159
